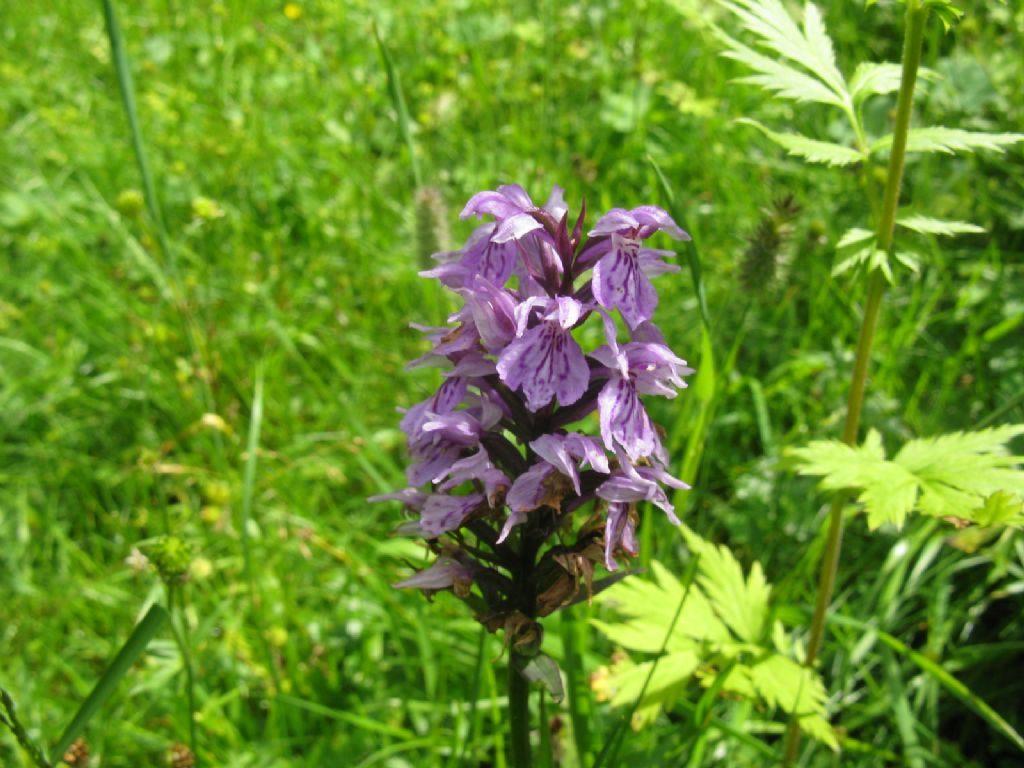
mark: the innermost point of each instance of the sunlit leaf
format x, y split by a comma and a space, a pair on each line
778, 32
779, 78
720, 642
809, 149
950, 140
952, 476
929, 226
742, 603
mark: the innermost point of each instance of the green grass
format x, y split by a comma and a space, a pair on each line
129, 374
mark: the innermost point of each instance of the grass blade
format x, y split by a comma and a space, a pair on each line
692, 255
124, 84
974, 702
133, 648
579, 699
398, 101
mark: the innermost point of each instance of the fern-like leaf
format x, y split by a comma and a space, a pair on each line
871, 79
776, 31
809, 149
929, 226
778, 78
950, 141
721, 641
952, 476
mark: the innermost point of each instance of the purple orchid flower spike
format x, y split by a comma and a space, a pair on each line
501, 460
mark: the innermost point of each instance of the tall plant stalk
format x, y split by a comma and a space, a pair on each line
916, 16
518, 714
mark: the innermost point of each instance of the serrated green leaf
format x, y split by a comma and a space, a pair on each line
778, 32
948, 13
740, 656
795, 689
1001, 508
871, 79
908, 260
809, 149
954, 475
950, 140
854, 237
929, 226
778, 78
742, 604
674, 672
650, 607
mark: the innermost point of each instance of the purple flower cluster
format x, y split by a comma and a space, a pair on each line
500, 444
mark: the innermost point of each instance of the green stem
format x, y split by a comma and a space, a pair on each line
916, 16
181, 638
9, 718
518, 714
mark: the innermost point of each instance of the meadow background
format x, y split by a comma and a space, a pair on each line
240, 389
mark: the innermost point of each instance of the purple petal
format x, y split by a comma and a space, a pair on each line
567, 311
517, 195
410, 497
515, 227
620, 283
556, 203
624, 420
618, 530
491, 203
657, 219
616, 220
493, 311
432, 461
472, 365
546, 362
589, 450
652, 262
529, 491
442, 514
553, 449
444, 573
514, 519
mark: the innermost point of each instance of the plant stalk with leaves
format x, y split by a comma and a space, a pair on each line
804, 69
510, 469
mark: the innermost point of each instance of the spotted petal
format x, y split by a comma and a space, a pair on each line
619, 282
624, 420
442, 514
545, 362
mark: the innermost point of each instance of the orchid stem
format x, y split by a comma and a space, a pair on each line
518, 714
912, 43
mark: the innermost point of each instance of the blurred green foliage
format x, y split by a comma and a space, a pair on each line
126, 382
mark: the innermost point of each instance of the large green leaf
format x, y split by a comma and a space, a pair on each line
741, 603
955, 475
719, 640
